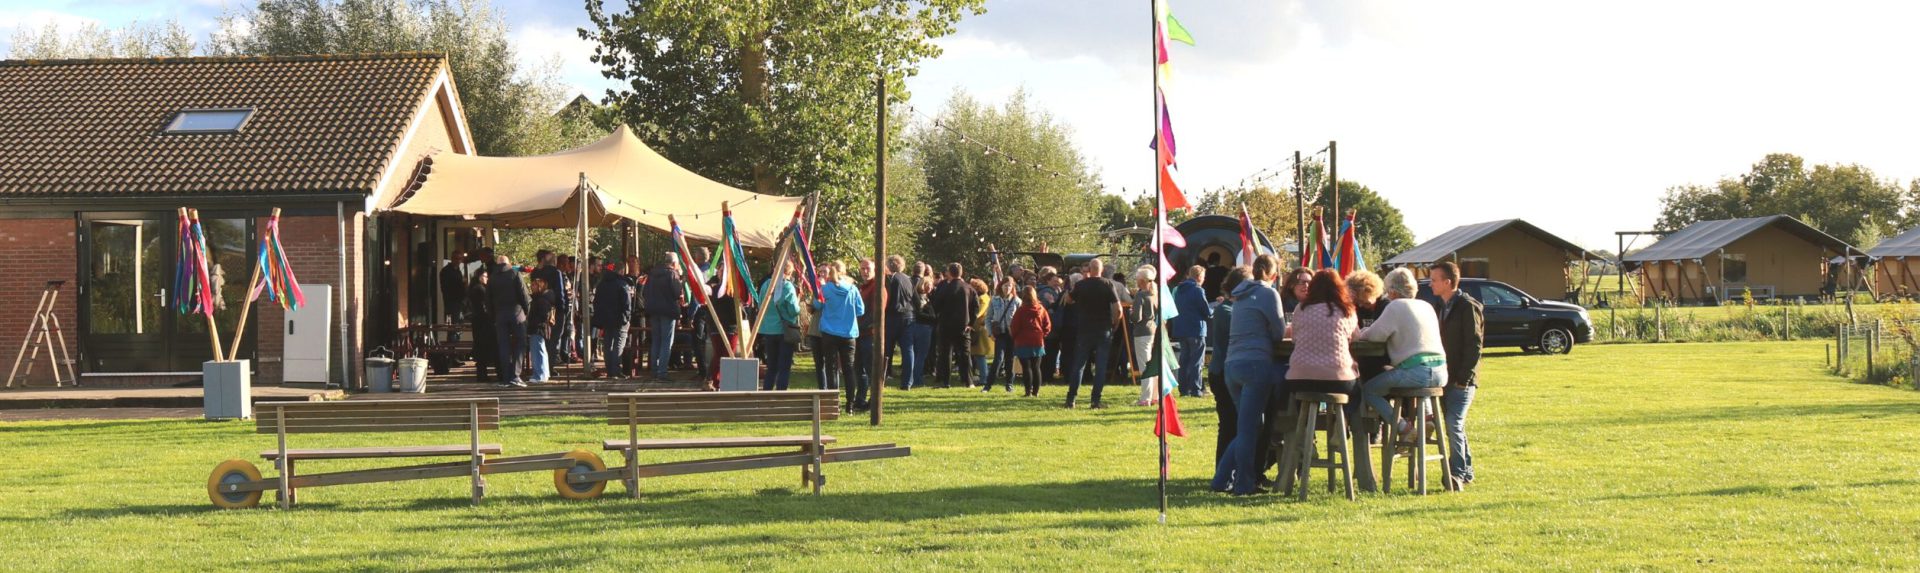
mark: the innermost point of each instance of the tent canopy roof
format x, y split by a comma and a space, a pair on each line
1707, 237
1905, 245
618, 176
1439, 248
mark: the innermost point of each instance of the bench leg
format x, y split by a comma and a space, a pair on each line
293, 494
285, 493
633, 472
479, 483
806, 472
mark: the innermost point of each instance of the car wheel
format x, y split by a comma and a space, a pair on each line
1556, 340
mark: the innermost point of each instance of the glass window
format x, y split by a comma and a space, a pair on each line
1733, 268
128, 271
1496, 295
1474, 268
209, 121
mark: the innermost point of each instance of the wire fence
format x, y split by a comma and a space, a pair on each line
1879, 351
1661, 322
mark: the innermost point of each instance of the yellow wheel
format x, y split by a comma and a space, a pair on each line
233, 472
583, 462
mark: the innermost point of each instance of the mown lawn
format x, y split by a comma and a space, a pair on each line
1740, 456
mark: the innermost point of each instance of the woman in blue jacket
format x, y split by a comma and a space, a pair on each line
839, 312
783, 314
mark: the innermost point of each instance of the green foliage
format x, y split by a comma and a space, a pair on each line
89, 40
1846, 201
977, 198
776, 97
509, 110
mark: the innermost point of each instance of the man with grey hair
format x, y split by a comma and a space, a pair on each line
1189, 328
1096, 313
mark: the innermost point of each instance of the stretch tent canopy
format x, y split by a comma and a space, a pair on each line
618, 176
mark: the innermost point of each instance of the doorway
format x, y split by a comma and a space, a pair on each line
127, 324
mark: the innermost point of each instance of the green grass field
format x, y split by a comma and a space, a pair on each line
1715, 457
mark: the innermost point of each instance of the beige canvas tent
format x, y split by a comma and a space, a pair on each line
619, 178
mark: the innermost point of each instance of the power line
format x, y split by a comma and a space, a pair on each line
991, 151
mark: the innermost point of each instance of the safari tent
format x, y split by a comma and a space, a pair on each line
1714, 261
1512, 251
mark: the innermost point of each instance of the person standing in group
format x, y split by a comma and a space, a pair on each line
920, 331
725, 336
1096, 302
979, 340
548, 269
1462, 336
780, 329
568, 298
612, 308
1252, 376
899, 315
1188, 328
1028, 331
453, 294
486, 345
1218, 333
863, 375
1143, 322
1051, 290
956, 306
839, 313
540, 328
694, 355
1000, 313
510, 301
665, 296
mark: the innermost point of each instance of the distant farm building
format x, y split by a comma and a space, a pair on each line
1511, 251
1714, 261
1896, 265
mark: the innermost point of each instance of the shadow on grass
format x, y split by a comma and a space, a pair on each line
1760, 413
1760, 489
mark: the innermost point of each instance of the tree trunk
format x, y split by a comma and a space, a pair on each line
755, 81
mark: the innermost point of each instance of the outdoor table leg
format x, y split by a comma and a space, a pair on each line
1363, 453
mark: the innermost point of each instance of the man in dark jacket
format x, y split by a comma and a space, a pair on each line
664, 296
510, 306
956, 305
1189, 328
549, 271
612, 308
479, 313
1462, 334
453, 287
899, 314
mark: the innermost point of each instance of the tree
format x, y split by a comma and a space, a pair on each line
1031, 190
135, 40
1382, 230
509, 110
776, 97
1846, 201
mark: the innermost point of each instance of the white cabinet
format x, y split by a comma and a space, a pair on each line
308, 336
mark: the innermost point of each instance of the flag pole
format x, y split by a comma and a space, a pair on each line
1159, 203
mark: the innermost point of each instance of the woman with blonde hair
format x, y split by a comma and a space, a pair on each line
980, 342
999, 324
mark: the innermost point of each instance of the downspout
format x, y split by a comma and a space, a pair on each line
340, 308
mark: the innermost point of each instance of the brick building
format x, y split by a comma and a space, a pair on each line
95, 156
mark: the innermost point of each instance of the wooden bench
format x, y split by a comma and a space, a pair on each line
644, 408
238, 483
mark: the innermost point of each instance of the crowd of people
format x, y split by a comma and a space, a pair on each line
1079, 325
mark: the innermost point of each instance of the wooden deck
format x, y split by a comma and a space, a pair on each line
586, 397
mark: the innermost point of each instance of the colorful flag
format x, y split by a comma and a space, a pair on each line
807, 270
1247, 252
277, 282
1174, 30
735, 280
1169, 189
696, 280
1346, 258
1167, 422
1316, 254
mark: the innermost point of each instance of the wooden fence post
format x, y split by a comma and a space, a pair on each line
1871, 336
1786, 322
1659, 324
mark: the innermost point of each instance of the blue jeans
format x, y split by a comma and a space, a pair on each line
1094, 344
897, 342
779, 356
920, 341
613, 341
1002, 360
1459, 458
511, 330
537, 357
980, 365
862, 370
1191, 350
660, 329
1252, 383
1375, 390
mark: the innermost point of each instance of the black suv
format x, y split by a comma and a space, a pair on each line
1515, 318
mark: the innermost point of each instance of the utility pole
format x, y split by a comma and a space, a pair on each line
877, 376
1299, 206
1333, 177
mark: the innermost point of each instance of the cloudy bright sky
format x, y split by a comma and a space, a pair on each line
1575, 116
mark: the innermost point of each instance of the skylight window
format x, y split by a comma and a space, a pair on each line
210, 120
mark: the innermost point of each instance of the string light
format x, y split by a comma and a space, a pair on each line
989, 151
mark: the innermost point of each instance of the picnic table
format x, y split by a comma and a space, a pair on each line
1363, 458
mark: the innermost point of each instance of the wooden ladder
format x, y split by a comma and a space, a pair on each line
45, 333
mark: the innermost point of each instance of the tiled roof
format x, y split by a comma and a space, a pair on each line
322, 124
1439, 248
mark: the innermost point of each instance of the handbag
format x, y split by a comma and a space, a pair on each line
790, 334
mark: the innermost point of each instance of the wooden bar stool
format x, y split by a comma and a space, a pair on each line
1302, 454
1424, 403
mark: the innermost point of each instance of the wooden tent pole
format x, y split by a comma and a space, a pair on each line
240, 327
213, 330
785, 246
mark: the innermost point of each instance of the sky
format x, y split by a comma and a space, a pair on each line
1575, 116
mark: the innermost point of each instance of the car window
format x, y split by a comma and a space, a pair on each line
1496, 295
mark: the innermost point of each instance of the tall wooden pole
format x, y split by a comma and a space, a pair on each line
877, 376
1159, 206
1299, 206
240, 327
582, 315
1333, 177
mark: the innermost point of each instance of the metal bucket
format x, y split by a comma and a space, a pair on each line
379, 374
413, 375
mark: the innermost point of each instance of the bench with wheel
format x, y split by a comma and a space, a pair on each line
238, 483
586, 478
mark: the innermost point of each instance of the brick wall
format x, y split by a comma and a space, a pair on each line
312, 245
36, 251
